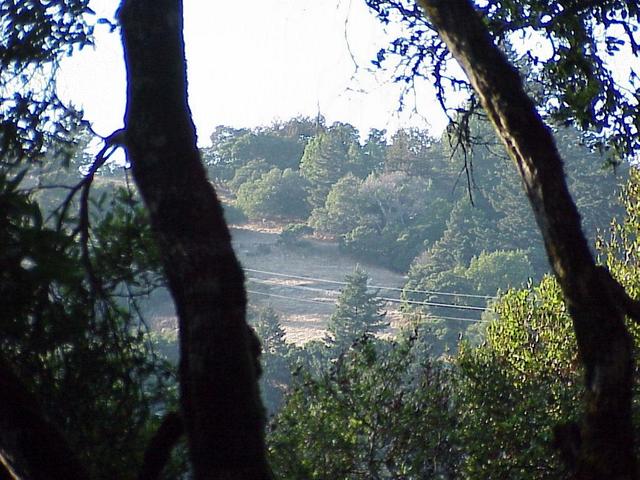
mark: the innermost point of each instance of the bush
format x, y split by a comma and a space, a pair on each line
382, 410
233, 215
248, 173
276, 194
292, 234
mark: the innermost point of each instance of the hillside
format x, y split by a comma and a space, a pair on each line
275, 278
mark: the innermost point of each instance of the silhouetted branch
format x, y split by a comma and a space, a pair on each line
31, 448
159, 449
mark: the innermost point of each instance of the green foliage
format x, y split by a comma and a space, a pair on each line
329, 156
468, 231
218, 157
340, 211
483, 277
410, 152
358, 312
279, 145
249, 172
34, 37
374, 150
82, 352
382, 410
501, 219
394, 218
276, 149
393, 247
123, 249
291, 235
490, 272
407, 202
275, 358
276, 194
573, 70
519, 384
524, 380
382, 217
620, 251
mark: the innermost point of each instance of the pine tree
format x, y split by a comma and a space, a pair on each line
358, 311
276, 370
328, 157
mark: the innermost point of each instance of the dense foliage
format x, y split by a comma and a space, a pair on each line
35, 37
76, 340
388, 409
381, 410
358, 312
404, 202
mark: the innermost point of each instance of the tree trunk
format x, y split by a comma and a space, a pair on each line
221, 407
604, 449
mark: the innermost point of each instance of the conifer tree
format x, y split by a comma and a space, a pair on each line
358, 311
276, 371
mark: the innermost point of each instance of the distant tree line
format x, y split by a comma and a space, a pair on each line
405, 201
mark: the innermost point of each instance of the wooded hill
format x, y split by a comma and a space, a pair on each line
452, 220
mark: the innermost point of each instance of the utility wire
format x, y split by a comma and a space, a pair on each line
434, 304
379, 287
459, 319
299, 287
298, 299
387, 299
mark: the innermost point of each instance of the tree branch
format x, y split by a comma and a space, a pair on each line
159, 449
31, 448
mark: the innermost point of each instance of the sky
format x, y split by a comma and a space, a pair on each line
253, 62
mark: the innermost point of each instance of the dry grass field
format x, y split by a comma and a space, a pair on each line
301, 283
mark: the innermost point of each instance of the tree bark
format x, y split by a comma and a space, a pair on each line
221, 407
605, 444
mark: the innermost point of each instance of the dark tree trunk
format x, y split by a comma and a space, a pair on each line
604, 449
221, 407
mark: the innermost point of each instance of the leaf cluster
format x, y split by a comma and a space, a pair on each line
571, 71
378, 412
35, 37
83, 352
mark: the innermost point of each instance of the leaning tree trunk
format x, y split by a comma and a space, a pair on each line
597, 304
221, 407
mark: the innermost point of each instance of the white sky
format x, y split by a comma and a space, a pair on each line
255, 61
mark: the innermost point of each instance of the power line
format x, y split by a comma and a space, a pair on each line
299, 287
434, 304
460, 319
379, 287
387, 299
298, 299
